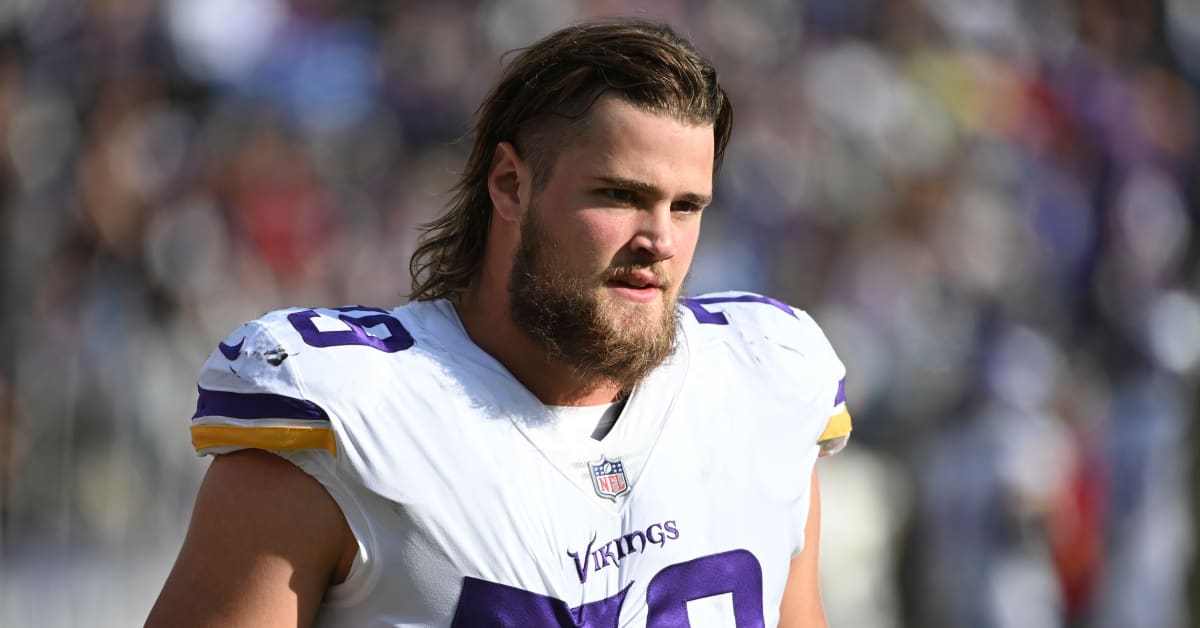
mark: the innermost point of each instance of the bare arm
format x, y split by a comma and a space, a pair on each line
264, 543
801, 606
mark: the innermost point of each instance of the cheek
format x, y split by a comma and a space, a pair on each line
575, 240
603, 235
686, 238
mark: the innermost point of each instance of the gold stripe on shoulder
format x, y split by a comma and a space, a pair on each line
839, 425
837, 432
277, 438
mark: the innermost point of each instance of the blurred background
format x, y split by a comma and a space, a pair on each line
989, 205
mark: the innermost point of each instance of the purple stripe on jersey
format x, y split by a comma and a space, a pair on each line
841, 393
256, 406
745, 298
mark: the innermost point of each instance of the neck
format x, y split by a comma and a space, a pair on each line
484, 312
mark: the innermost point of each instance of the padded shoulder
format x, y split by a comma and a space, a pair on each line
250, 396
756, 317
765, 325
268, 385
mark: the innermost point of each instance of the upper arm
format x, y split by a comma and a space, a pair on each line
802, 595
265, 541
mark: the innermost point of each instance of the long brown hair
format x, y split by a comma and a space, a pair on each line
549, 86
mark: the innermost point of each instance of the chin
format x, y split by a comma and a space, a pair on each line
634, 318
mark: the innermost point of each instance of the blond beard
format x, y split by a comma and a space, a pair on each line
568, 318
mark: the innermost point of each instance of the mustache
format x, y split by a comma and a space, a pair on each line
656, 269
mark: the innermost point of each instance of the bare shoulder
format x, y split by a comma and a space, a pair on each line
265, 541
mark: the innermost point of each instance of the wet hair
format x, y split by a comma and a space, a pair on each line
547, 92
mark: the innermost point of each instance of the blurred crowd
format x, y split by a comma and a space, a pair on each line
989, 205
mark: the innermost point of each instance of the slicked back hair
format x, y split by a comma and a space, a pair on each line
548, 89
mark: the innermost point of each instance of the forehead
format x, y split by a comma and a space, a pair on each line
622, 140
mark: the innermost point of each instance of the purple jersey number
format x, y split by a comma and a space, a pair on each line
709, 317
736, 572
398, 338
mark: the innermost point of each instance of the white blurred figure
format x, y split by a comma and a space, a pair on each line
1151, 534
861, 522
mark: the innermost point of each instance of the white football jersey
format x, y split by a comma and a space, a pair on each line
471, 510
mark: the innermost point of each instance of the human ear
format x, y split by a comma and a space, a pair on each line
509, 182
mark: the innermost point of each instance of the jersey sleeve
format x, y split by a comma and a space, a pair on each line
832, 375
838, 428
250, 396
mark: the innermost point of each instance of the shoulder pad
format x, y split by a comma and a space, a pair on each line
250, 396
761, 319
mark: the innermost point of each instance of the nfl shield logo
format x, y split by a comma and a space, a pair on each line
608, 477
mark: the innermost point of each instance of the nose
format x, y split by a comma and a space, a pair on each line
655, 236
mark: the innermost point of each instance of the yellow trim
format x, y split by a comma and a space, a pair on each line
277, 438
839, 425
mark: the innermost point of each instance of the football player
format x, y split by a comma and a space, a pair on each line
548, 434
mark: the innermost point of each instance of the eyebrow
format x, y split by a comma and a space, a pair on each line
651, 189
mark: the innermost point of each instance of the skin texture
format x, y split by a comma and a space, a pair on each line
264, 543
624, 199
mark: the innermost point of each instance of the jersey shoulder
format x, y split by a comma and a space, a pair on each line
270, 383
782, 336
758, 319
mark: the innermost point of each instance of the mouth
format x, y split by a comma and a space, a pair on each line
637, 286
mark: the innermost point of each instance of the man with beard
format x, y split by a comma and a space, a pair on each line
547, 435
